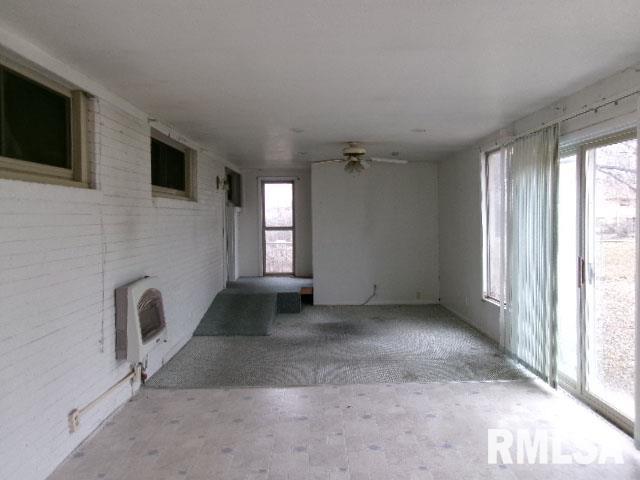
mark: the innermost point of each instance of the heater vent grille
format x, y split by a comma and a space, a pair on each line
151, 313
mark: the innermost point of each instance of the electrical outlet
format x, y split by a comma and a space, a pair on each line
74, 420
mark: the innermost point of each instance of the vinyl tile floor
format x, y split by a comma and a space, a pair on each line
434, 431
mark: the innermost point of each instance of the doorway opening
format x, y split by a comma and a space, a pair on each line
231, 222
278, 228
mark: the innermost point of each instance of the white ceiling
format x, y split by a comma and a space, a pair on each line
242, 75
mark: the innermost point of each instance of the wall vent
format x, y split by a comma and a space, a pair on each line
140, 320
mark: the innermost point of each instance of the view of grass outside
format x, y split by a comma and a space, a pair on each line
611, 326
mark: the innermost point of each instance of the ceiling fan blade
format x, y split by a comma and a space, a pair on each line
389, 160
331, 160
355, 166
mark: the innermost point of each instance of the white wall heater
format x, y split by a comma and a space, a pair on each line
140, 320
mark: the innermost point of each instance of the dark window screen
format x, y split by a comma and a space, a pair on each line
35, 122
167, 166
234, 194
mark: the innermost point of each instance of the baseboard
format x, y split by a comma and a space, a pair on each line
469, 322
177, 347
374, 302
153, 367
402, 302
458, 314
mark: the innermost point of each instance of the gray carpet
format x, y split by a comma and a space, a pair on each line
239, 314
268, 284
343, 345
248, 306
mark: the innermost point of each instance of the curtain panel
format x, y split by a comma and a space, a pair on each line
637, 316
529, 259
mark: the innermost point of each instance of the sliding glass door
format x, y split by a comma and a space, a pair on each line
596, 273
610, 259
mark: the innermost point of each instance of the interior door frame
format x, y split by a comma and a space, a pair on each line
579, 388
264, 228
230, 241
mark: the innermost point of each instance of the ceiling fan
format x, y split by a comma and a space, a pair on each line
355, 158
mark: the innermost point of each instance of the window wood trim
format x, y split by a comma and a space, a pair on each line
168, 192
78, 174
79, 147
36, 76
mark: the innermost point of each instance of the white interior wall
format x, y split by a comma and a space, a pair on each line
64, 250
460, 223
460, 230
377, 227
250, 218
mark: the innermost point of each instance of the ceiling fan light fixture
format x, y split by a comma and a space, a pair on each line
355, 158
354, 149
353, 165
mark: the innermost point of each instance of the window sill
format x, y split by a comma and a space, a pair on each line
161, 192
491, 301
39, 178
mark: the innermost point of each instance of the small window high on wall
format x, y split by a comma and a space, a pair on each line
492, 183
172, 168
42, 129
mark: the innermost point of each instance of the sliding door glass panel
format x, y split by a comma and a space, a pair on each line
494, 189
610, 273
568, 287
279, 251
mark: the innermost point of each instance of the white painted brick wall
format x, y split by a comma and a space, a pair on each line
63, 251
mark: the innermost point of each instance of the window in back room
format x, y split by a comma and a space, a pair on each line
278, 227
